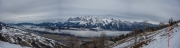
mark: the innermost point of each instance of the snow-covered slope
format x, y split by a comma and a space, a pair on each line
23, 38
156, 39
9, 45
162, 41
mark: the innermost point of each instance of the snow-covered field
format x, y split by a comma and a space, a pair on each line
9, 45
82, 33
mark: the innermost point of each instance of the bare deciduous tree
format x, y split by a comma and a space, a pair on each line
102, 40
95, 42
72, 42
145, 24
161, 24
135, 35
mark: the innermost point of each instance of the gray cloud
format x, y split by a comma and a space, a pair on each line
36, 11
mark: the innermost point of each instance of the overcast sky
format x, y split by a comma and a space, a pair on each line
36, 11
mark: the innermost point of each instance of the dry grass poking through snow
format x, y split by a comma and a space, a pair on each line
141, 44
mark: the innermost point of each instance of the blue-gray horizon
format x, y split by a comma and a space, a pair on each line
36, 11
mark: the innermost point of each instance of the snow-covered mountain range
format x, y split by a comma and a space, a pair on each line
91, 23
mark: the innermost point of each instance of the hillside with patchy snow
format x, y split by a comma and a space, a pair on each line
23, 38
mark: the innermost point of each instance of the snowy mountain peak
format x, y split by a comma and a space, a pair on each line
91, 19
102, 22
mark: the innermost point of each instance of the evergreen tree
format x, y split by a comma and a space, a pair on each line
0, 36
171, 21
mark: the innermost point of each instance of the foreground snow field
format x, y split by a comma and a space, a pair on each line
159, 39
9, 45
162, 42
